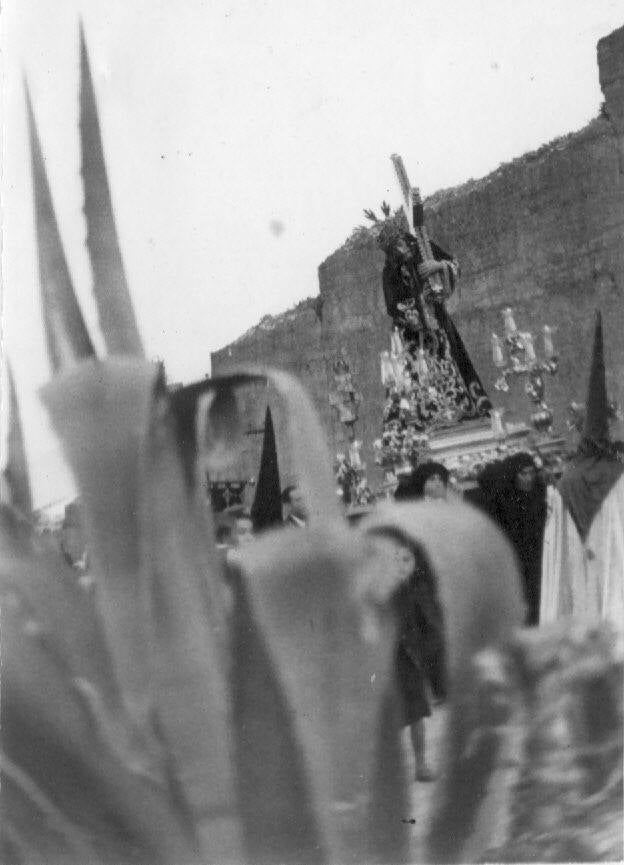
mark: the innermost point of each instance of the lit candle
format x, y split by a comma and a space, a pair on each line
396, 344
354, 455
497, 351
423, 370
549, 348
497, 423
510, 324
529, 351
398, 374
387, 375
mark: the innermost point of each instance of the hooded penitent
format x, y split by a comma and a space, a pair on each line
266, 510
593, 472
583, 558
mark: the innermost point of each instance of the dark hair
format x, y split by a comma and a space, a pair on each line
223, 534
286, 493
491, 476
413, 486
422, 563
514, 464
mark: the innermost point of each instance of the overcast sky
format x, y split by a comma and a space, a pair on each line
244, 138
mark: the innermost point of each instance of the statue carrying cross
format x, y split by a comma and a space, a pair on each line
436, 385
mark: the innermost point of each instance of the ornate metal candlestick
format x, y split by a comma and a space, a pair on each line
522, 360
350, 470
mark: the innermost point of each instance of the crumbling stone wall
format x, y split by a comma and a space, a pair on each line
293, 342
543, 234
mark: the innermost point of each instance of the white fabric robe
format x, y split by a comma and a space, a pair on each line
584, 580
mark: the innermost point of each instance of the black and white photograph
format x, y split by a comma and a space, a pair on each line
312, 432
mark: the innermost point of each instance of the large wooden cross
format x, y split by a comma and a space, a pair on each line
413, 207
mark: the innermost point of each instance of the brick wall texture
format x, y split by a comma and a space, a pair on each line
543, 234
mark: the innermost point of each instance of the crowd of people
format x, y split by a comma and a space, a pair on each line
511, 492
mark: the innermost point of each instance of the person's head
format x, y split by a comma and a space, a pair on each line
391, 561
237, 521
491, 477
429, 480
293, 502
244, 529
521, 472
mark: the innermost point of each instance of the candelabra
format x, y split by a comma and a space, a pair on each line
522, 360
350, 469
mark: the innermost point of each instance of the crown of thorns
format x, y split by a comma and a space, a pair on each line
389, 230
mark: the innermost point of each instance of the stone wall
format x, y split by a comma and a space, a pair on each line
293, 342
543, 234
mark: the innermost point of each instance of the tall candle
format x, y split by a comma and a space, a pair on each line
497, 423
423, 370
497, 351
549, 348
510, 324
387, 375
396, 344
397, 371
354, 455
529, 350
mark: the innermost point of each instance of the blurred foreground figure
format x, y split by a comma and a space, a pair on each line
147, 722
420, 648
420, 656
583, 564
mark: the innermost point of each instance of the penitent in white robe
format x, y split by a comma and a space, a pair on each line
584, 579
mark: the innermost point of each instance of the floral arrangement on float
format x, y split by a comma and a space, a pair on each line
423, 396
350, 475
421, 401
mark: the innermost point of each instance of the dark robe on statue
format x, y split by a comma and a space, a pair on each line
429, 318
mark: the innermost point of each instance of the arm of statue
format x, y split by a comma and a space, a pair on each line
429, 267
441, 263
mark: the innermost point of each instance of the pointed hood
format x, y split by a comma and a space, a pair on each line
15, 481
590, 476
596, 426
66, 334
112, 296
266, 510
